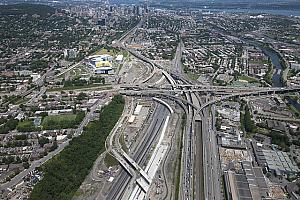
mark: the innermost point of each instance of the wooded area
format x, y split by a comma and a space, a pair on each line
64, 173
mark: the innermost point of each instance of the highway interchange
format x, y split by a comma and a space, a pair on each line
200, 175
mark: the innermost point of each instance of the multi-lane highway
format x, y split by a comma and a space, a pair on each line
141, 152
210, 157
200, 175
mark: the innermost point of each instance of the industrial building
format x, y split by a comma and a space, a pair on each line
277, 162
248, 183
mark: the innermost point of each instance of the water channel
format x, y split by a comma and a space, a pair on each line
275, 59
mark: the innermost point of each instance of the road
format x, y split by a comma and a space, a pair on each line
207, 136
141, 152
69, 68
212, 171
177, 60
198, 162
211, 157
187, 170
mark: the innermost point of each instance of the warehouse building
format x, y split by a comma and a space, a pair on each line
279, 162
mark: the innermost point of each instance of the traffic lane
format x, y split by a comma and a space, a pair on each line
119, 186
151, 133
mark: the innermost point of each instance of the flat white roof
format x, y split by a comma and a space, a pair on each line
131, 119
61, 137
111, 179
138, 109
120, 57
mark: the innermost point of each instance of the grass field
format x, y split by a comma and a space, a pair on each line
262, 62
78, 71
192, 75
248, 78
110, 160
111, 52
69, 117
58, 119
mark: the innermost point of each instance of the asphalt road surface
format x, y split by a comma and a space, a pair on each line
141, 152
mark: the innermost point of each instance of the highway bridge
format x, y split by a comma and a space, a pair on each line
190, 102
196, 111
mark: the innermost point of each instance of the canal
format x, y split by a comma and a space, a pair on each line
275, 59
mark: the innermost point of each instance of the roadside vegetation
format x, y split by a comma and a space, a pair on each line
247, 123
64, 173
178, 163
269, 75
110, 160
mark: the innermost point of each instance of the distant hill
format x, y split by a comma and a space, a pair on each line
22, 9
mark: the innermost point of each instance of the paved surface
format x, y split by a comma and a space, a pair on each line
199, 175
69, 68
188, 163
140, 154
211, 158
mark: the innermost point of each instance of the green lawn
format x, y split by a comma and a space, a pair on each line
192, 75
259, 62
26, 126
57, 118
59, 122
248, 78
111, 52
110, 160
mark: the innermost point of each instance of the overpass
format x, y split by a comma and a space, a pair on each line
212, 89
242, 94
173, 91
164, 92
136, 166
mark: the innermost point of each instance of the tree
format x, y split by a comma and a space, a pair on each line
11, 124
64, 174
81, 96
26, 165
248, 123
54, 146
43, 141
18, 160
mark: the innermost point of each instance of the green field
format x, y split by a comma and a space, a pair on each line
111, 52
248, 78
26, 126
262, 62
62, 121
58, 118
110, 160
